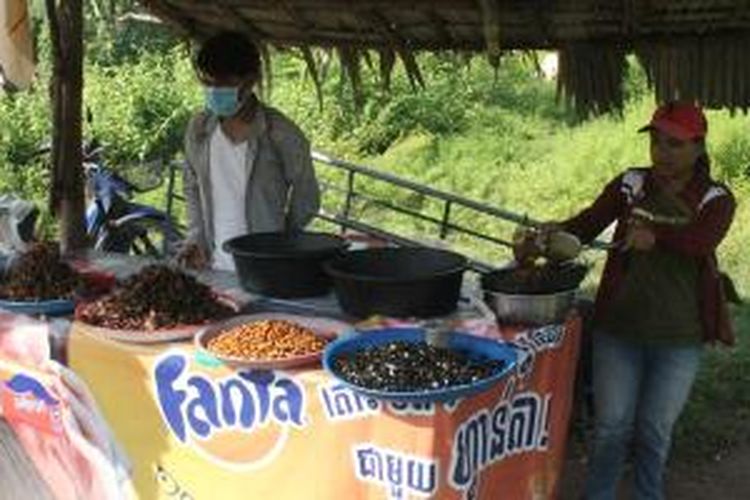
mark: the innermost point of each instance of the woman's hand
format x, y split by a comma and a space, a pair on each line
531, 243
526, 247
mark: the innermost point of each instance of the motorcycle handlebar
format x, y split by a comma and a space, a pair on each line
90, 151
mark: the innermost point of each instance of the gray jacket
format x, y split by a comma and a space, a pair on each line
282, 191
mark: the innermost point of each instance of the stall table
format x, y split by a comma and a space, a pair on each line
197, 429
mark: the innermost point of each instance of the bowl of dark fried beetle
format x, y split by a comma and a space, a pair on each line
398, 364
533, 294
158, 304
39, 281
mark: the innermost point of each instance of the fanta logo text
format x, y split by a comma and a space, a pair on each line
512, 427
400, 473
25, 384
23, 398
341, 403
193, 404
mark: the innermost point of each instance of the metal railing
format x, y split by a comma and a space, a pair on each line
353, 192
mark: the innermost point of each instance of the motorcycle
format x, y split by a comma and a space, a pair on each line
116, 223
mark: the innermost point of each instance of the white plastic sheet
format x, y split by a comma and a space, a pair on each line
13, 211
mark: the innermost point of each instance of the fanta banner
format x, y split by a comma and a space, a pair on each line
195, 429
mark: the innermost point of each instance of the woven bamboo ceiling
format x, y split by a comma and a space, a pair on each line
692, 49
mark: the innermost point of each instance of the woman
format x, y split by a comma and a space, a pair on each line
659, 300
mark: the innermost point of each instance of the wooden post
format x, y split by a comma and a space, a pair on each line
66, 195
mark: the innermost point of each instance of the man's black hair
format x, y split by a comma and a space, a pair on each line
228, 54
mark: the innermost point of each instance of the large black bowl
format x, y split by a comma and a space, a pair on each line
547, 279
284, 265
397, 282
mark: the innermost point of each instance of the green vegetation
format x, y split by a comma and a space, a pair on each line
495, 137
717, 413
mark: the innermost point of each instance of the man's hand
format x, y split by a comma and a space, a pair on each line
640, 236
192, 256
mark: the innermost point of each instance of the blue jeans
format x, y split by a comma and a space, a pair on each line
639, 391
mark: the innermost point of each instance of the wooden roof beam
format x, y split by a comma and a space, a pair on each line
247, 24
397, 43
305, 26
182, 23
440, 27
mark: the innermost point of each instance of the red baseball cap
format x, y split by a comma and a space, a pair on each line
682, 120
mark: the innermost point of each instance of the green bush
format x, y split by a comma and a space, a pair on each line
140, 110
23, 130
140, 100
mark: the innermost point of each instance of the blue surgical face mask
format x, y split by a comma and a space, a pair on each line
222, 101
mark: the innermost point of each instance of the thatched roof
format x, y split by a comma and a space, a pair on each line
690, 48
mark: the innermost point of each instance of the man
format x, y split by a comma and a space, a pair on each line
248, 167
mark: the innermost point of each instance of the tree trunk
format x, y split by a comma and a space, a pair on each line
66, 195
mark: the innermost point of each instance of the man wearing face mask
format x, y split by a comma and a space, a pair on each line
248, 167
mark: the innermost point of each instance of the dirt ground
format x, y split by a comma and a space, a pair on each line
723, 478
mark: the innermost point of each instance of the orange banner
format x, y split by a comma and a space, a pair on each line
197, 430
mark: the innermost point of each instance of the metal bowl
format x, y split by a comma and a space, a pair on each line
538, 309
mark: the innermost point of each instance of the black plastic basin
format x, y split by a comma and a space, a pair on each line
284, 265
397, 282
